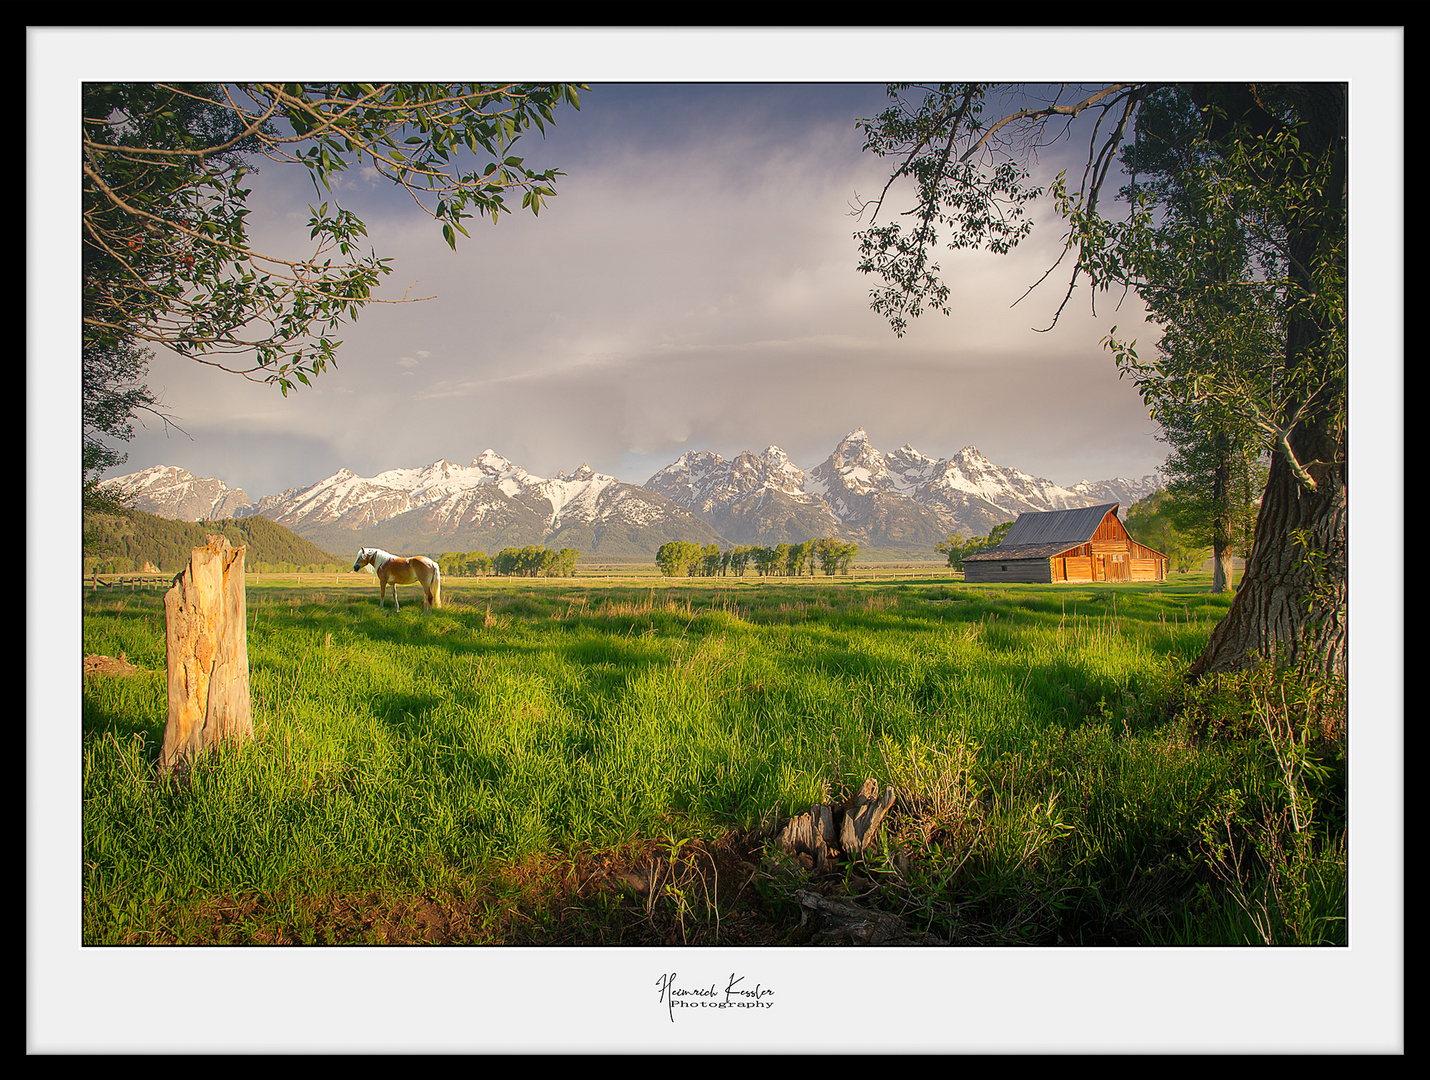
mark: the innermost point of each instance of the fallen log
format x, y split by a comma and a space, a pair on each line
840, 919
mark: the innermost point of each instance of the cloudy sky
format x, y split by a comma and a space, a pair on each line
691, 287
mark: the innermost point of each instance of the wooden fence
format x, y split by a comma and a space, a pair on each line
140, 581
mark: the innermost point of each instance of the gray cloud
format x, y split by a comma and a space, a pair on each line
692, 286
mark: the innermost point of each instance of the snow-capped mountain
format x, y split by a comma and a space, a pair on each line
902, 500
487, 505
176, 494
752, 499
1119, 490
467, 492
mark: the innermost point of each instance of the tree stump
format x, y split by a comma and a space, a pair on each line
826, 832
863, 814
812, 834
206, 641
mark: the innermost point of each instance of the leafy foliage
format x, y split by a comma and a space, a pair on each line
1235, 229
1207, 246
535, 561
1154, 521
1214, 494
958, 548
112, 393
167, 255
969, 175
470, 564
681, 558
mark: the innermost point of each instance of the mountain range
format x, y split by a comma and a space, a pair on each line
898, 505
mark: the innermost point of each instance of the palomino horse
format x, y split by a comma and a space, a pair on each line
395, 570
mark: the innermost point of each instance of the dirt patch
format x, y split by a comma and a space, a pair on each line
740, 889
705, 895
95, 664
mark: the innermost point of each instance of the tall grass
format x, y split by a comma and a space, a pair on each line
1056, 783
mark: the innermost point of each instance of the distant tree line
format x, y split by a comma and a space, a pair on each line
681, 558
465, 564
958, 548
530, 561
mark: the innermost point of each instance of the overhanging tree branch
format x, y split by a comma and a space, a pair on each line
167, 253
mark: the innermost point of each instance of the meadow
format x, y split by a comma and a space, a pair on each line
603, 760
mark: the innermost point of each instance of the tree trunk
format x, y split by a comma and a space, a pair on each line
206, 641
1291, 607
1221, 516
1221, 567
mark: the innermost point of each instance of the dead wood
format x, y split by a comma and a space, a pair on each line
206, 642
826, 832
839, 920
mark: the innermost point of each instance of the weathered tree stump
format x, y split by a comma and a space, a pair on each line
825, 832
812, 833
828, 832
862, 816
206, 641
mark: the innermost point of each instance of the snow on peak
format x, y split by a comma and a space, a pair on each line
441, 487
171, 492
490, 460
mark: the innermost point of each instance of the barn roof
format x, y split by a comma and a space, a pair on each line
1043, 534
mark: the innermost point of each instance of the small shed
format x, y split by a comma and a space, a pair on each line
1088, 543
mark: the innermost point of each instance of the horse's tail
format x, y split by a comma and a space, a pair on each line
436, 585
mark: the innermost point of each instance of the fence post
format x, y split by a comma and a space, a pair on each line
206, 641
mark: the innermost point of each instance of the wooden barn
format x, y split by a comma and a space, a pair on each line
1085, 544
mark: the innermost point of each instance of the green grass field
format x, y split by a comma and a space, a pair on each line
599, 759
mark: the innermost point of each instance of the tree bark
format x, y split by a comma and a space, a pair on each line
1221, 567
206, 641
1292, 605
1221, 517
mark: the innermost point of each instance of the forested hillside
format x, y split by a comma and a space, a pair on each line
127, 541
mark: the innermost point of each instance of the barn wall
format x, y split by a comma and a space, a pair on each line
1141, 551
1111, 532
1149, 570
1035, 571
